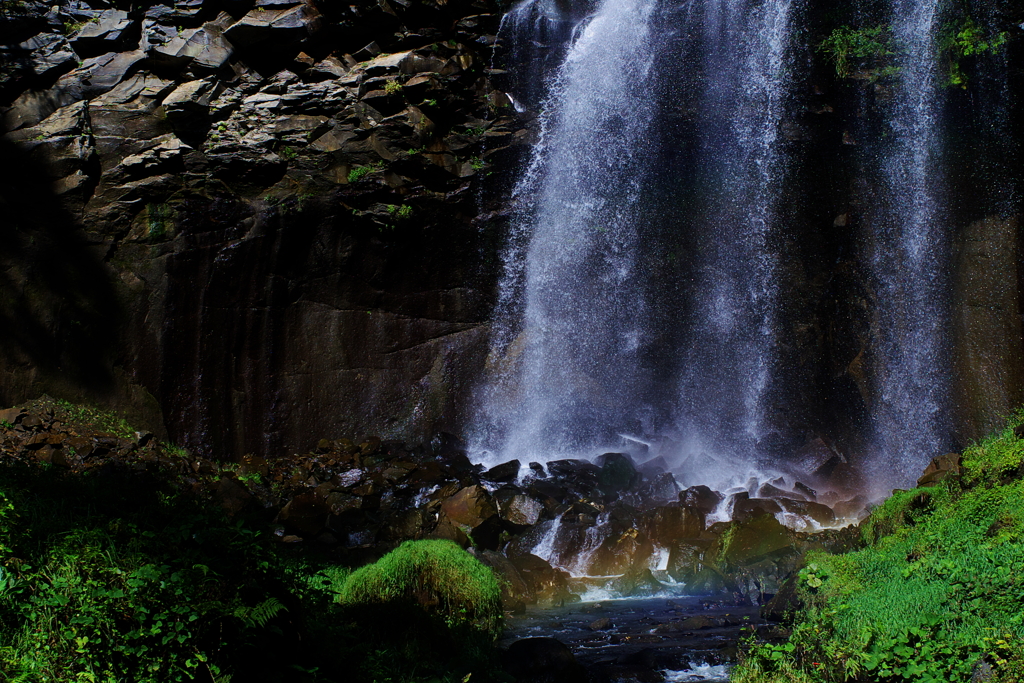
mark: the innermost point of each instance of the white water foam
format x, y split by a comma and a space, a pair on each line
709, 673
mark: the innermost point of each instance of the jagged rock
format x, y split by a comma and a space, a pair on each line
40, 54
754, 540
807, 491
503, 473
746, 508
618, 473
547, 584
470, 507
279, 26
770, 491
602, 624
519, 509
103, 32
941, 468
701, 498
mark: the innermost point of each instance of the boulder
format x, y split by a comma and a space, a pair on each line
753, 540
666, 525
822, 514
618, 473
701, 498
469, 507
519, 509
103, 33
305, 514
941, 468
503, 473
746, 508
515, 592
785, 603
637, 581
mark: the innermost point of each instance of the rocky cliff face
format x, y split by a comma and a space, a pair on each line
251, 222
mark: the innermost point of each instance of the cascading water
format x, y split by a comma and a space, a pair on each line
569, 328
567, 370
909, 261
732, 344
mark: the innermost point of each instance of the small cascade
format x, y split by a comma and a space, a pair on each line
547, 545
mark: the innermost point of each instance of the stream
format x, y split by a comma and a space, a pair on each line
644, 639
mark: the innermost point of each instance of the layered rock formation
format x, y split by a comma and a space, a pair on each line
250, 222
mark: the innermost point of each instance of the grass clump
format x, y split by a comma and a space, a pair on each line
435, 574
90, 417
936, 594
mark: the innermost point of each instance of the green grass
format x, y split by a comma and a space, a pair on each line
91, 417
939, 588
436, 573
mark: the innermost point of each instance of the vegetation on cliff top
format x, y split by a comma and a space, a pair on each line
935, 597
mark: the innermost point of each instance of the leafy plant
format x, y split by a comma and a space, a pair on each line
287, 153
962, 39
392, 87
360, 172
845, 47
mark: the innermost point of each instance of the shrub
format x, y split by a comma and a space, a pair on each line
846, 45
439, 576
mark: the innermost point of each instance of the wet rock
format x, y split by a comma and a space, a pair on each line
637, 581
754, 540
822, 514
769, 491
662, 489
514, 590
621, 551
784, 605
519, 509
855, 508
746, 508
807, 491
667, 525
470, 507
545, 582
503, 473
941, 468
617, 473
700, 498
542, 660
602, 624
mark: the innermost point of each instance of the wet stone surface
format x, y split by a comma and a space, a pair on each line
643, 639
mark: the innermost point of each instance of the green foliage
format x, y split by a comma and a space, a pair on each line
847, 47
392, 87
437, 573
360, 172
288, 153
938, 589
91, 417
477, 164
402, 212
962, 39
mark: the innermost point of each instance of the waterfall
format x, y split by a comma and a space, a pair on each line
570, 325
732, 343
909, 260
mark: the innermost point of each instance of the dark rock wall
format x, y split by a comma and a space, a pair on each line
254, 224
